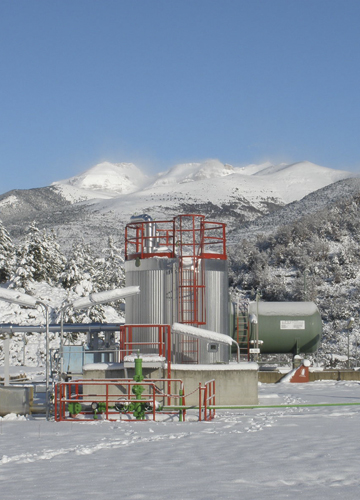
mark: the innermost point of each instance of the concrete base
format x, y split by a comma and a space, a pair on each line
274, 376
16, 400
235, 383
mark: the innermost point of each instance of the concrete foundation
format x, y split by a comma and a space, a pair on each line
274, 376
235, 383
16, 400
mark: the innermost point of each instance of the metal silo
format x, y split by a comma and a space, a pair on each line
157, 302
181, 268
217, 309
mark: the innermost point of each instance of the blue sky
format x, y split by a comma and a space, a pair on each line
159, 82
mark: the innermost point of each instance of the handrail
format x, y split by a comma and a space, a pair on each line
72, 399
207, 405
144, 238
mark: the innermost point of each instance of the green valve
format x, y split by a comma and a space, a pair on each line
102, 407
74, 408
98, 408
138, 390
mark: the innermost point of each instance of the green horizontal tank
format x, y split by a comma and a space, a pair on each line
285, 327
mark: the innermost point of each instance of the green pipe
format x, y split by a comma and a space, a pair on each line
181, 412
138, 370
139, 408
233, 407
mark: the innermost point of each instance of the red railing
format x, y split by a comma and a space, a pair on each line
161, 346
213, 238
73, 400
207, 400
146, 239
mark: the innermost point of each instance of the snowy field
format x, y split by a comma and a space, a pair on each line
272, 453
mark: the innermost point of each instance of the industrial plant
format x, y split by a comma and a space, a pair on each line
186, 342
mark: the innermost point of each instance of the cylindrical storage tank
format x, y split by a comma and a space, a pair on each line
216, 295
217, 307
182, 271
157, 302
287, 327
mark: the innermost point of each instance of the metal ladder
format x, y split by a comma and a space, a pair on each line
191, 310
242, 330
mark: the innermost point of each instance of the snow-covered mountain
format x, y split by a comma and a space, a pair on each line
100, 201
246, 191
192, 172
205, 181
104, 180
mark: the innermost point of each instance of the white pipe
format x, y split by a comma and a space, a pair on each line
15, 297
47, 357
105, 297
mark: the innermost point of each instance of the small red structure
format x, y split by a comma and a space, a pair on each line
301, 375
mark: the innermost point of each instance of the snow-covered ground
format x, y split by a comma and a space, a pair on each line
273, 453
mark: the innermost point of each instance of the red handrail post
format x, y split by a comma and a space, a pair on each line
200, 403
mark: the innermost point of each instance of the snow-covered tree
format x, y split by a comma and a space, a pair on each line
111, 273
38, 258
107, 274
7, 254
79, 269
79, 275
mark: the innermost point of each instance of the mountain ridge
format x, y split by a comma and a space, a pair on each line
101, 200
108, 180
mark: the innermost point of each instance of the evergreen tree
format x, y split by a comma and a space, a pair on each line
79, 276
39, 258
7, 254
111, 273
79, 270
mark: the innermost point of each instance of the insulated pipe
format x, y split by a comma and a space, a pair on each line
254, 332
141, 218
15, 297
68, 327
105, 297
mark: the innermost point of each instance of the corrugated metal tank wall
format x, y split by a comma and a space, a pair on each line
158, 304
217, 309
217, 295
